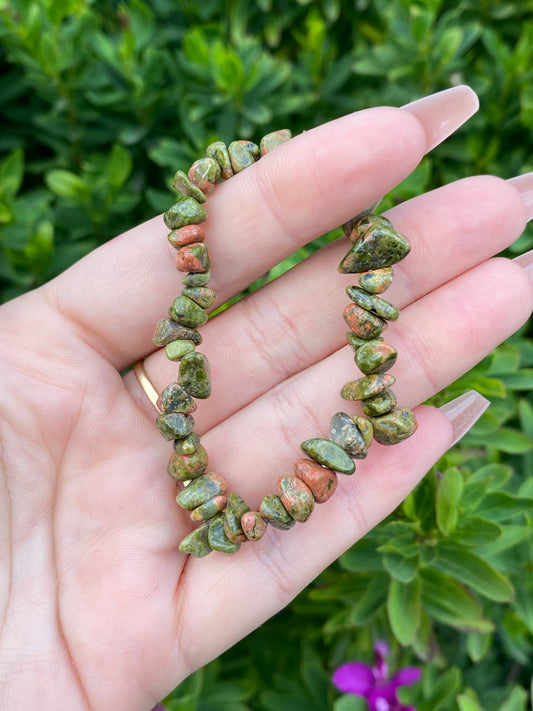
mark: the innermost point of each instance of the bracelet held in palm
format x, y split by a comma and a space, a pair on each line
225, 520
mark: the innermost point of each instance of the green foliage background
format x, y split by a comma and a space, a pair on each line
101, 101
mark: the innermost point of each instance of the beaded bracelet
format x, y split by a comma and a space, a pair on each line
225, 520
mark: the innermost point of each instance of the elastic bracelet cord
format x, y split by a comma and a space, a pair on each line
225, 519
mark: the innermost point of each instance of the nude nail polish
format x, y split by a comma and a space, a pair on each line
442, 113
524, 185
464, 411
526, 262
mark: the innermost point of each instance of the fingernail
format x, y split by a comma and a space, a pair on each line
526, 262
464, 412
524, 185
442, 113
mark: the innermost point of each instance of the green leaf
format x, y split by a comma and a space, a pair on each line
362, 557
337, 623
227, 69
512, 536
475, 490
525, 413
493, 476
449, 490
467, 703
415, 183
257, 113
187, 695
119, 166
516, 638
40, 246
520, 380
401, 567
188, 702
104, 48
468, 568
449, 44
408, 507
478, 645
404, 544
488, 422
422, 507
6, 213
504, 439
404, 609
66, 184
224, 693
169, 153
350, 702
476, 532
524, 602
313, 673
11, 173
446, 601
505, 360
489, 387
525, 490
423, 644
446, 688
516, 701
370, 602
341, 586
501, 506
195, 47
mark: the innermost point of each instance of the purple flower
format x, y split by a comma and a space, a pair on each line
374, 683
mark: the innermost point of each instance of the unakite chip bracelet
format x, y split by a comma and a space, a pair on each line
226, 521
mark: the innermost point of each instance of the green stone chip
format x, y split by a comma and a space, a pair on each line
217, 538
273, 511
183, 185
326, 452
186, 211
196, 542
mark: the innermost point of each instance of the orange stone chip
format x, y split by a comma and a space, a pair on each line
193, 258
321, 481
186, 235
296, 497
363, 323
253, 525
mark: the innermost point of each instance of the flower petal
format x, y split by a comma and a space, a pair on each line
381, 648
381, 651
354, 678
407, 675
380, 704
383, 698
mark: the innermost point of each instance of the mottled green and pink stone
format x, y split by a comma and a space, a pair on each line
376, 246
226, 520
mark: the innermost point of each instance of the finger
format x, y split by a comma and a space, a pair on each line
297, 320
304, 188
264, 577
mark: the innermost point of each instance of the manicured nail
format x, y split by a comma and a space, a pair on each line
442, 113
524, 185
464, 412
526, 262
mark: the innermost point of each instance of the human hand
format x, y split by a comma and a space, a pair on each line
99, 609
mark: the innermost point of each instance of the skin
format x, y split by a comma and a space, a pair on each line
98, 609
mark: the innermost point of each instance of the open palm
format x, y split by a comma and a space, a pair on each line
98, 609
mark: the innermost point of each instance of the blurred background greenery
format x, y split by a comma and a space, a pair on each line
101, 101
